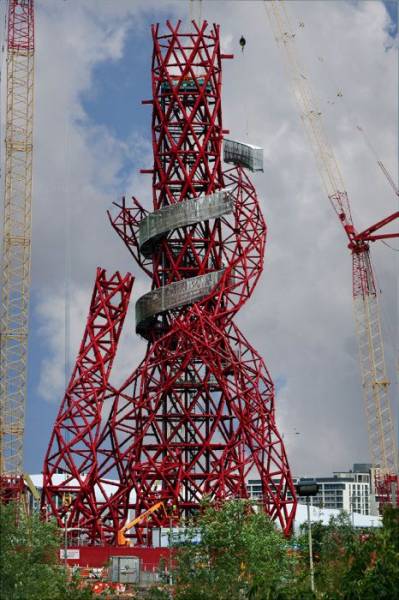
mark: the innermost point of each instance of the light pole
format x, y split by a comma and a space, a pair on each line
67, 503
309, 488
170, 550
311, 565
394, 493
65, 539
171, 543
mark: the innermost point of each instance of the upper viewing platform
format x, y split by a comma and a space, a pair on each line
242, 154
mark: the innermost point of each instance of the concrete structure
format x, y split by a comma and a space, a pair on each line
324, 515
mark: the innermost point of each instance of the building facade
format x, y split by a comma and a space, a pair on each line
352, 491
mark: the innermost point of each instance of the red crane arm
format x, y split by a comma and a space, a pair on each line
366, 234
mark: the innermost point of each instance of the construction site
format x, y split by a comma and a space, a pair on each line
139, 389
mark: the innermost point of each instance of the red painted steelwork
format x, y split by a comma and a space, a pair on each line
11, 488
20, 35
99, 556
72, 449
387, 490
197, 416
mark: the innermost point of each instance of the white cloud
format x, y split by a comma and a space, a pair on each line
50, 311
300, 317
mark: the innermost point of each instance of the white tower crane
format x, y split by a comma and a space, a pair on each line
381, 434
16, 251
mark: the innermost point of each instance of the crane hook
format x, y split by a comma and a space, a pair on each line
243, 41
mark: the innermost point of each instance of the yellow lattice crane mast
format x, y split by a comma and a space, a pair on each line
16, 249
381, 434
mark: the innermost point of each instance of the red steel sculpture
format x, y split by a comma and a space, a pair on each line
71, 483
197, 417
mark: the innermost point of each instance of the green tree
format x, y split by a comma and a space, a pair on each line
352, 564
29, 567
333, 548
238, 554
373, 567
157, 593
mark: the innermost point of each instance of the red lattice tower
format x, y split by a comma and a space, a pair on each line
197, 416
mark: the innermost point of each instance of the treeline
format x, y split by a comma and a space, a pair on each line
229, 553
241, 555
29, 559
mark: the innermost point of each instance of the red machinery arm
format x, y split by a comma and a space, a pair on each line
366, 235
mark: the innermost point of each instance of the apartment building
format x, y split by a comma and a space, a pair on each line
352, 491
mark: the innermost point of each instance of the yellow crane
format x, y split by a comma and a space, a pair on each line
375, 383
16, 248
122, 541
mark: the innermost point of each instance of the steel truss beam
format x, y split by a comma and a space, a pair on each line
16, 251
70, 468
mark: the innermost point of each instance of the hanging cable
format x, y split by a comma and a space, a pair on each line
386, 322
196, 11
351, 115
389, 246
67, 261
372, 149
242, 43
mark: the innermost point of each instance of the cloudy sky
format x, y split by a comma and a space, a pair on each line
92, 136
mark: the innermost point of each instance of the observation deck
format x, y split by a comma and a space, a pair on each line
186, 85
174, 295
159, 223
242, 154
156, 226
